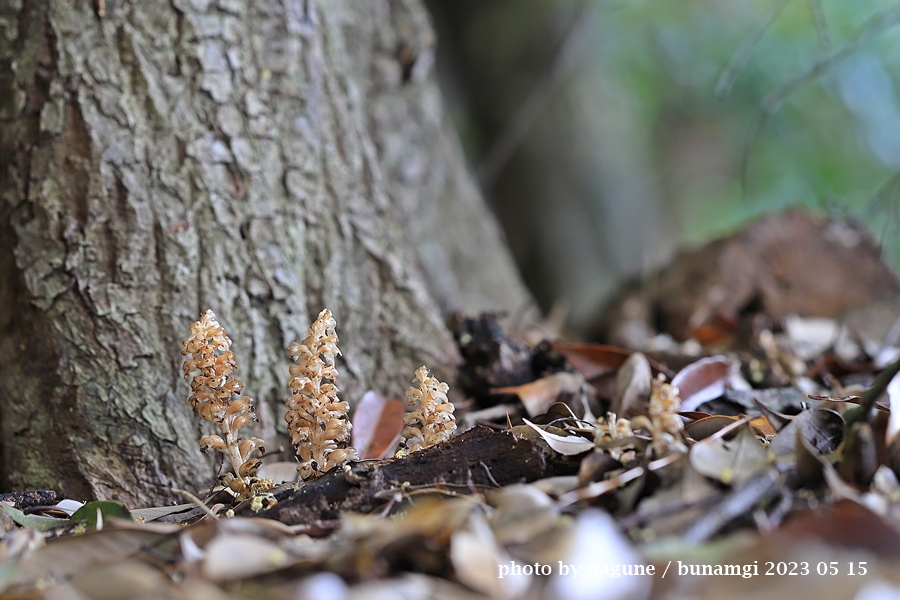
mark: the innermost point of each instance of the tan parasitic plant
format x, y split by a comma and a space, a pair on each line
316, 417
613, 433
664, 424
432, 422
212, 397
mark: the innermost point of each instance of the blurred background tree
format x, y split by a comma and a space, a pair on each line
606, 133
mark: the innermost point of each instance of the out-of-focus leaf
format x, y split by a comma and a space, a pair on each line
594, 541
377, 424
809, 463
821, 427
477, 558
122, 580
36, 522
893, 427
811, 336
521, 513
707, 426
730, 461
763, 426
539, 395
594, 360
321, 585
777, 420
232, 556
595, 465
859, 457
556, 486
702, 381
565, 445
106, 508
155, 512
632, 385
879, 404
72, 555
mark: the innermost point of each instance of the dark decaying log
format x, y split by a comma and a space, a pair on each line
478, 458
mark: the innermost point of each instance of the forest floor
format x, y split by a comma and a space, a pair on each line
758, 458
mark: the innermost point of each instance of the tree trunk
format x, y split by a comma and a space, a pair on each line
263, 159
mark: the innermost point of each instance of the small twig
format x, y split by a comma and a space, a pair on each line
536, 103
823, 32
598, 488
197, 501
746, 47
637, 519
488, 471
867, 401
872, 28
736, 504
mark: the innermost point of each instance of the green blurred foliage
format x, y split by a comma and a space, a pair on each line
834, 142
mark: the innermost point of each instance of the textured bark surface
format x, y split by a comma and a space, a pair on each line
264, 159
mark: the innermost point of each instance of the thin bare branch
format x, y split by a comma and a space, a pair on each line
746, 47
538, 99
876, 25
823, 31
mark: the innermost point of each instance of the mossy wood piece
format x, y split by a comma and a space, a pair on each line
263, 159
478, 458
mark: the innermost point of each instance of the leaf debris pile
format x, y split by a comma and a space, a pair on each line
766, 441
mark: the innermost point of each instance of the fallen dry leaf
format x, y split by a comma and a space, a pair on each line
594, 543
232, 556
702, 381
730, 461
632, 385
377, 424
521, 513
595, 360
569, 445
477, 556
539, 395
893, 426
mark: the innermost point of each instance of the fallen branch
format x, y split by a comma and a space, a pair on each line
478, 458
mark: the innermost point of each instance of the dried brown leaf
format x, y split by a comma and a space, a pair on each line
521, 513
539, 395
377, 424
632, 386
595, 360
702, 381
476, 556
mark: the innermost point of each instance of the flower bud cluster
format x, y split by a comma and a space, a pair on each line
209, 348
316, 417
432, 422
664, 424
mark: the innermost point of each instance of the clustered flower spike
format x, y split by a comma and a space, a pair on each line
664, 423
210, 353
612, 430
432, 422
317, 418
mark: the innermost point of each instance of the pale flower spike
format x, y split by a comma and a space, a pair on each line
317, 418
664, 424
432, 422
210, 353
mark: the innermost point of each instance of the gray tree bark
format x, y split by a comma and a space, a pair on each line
264, 159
